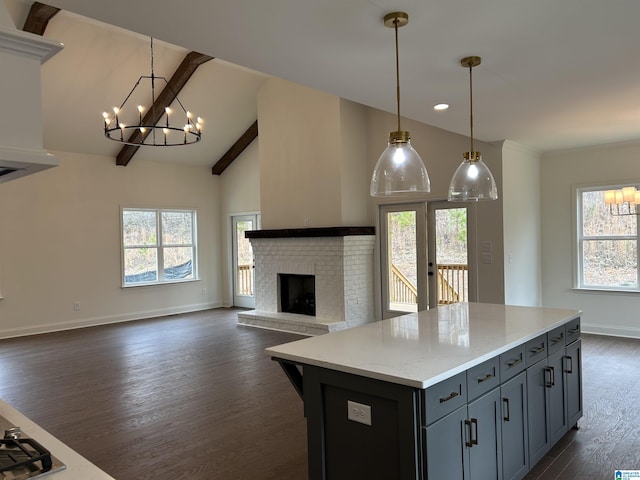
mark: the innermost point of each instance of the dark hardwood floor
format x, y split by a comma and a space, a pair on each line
194, 397
183, 397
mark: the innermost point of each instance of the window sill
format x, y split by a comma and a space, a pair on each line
155, 284
606, 291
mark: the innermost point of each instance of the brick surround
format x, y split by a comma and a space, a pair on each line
343, 270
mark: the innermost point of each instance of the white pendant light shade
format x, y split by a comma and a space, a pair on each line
399, 170
472, 181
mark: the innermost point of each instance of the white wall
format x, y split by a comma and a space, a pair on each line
239, 194
521, 216
608, 313
60, 243
299, 156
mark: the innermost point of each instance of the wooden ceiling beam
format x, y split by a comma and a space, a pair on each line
179, 79
38, 18
236, 149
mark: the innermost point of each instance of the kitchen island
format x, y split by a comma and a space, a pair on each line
462, 391
76, 466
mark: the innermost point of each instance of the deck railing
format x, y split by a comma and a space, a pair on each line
245, 280
453, 285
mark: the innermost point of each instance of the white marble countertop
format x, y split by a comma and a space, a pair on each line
78, 467
424, 348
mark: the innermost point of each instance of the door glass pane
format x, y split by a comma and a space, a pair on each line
403, 265
244, 260
451, 255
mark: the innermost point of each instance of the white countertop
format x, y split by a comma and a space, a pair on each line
78, 467
424, 348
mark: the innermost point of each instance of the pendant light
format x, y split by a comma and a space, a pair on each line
399, 170
472, 181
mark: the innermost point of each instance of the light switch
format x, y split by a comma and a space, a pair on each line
487, 258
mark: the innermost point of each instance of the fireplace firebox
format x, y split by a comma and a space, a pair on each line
298, 294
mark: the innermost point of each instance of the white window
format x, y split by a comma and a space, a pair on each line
607, 242
158, 246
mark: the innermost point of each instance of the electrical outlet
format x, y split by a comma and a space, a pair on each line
76, 306
358, 412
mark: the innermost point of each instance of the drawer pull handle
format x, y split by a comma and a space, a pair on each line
537, 350
488, 376
514, 362
568, 361
451, 396
507, 414
557, 339
574, 330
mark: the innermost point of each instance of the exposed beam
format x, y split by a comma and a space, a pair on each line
38, 18
179, 79
236, 149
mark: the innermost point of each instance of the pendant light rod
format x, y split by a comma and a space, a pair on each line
471, 62
396, 20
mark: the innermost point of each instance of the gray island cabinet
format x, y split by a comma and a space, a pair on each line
466, 391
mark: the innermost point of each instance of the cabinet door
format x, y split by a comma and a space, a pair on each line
573, 382
557, 408
485, 452
515, 442
447, 453
537, 411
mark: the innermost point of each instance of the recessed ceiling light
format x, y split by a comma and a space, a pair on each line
441, 106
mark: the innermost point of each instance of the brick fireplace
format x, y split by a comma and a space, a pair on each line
340, 261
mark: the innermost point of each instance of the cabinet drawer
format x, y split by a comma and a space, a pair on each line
555, 339
444, 397
572, 330
512, 362
536, 349
482, 378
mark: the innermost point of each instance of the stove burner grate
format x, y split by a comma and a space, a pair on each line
23, 452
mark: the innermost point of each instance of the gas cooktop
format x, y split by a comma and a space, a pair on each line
22, 457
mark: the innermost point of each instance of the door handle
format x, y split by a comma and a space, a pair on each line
507, 416
469, 442
550, 381
474, 421
568, 364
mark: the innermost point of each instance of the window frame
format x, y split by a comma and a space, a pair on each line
580, 238
160, 246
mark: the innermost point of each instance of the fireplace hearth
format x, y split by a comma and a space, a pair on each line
338, 262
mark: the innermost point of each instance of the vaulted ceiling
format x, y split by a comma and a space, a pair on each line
555, 74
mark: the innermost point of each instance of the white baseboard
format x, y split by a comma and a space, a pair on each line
613, 331
95, 321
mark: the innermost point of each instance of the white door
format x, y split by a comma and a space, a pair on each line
451, 238
243, 265
403, 249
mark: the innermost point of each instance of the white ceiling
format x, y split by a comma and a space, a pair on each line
554, 74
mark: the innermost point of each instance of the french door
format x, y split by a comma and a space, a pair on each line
425, 255
451, 241
243, 266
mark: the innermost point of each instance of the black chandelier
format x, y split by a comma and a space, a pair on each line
132, 126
